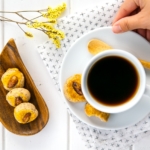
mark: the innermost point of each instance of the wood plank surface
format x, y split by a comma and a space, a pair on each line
1, 47
57, 126
60, 132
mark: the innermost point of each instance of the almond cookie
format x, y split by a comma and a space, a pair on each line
12, 78
25, 113
145, 64
17, 96
91, 111
72, 89
95, 46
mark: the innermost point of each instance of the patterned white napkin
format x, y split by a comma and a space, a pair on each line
74, 26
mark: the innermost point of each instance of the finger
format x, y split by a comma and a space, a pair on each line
142, 32
126, 8
128, 23
148, 35
135, 11
135, 31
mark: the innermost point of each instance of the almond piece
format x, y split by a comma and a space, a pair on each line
18, 100
12, 82
77, 87
26, 117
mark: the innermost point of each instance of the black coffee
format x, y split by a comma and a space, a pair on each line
113, 80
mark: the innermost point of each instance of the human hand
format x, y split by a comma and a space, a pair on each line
133, 15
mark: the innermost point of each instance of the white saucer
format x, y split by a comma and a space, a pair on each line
78, 55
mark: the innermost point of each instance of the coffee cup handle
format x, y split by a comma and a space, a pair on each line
147, 90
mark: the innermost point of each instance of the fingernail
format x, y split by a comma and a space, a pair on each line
117, 29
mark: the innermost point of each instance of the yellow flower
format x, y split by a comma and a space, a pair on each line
34, 24
55, 33
56, 41
52, 21
54, 13
48, 26
28, 34
37, 25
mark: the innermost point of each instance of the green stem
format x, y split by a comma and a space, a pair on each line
14, 21
35, 17
9, 20
20, 27
23, 11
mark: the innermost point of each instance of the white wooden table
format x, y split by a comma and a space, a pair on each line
60, 132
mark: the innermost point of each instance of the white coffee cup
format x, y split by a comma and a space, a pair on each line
133, 100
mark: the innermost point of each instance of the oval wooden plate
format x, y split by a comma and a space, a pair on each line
10, 58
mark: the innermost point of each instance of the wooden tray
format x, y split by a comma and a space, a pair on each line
10, 58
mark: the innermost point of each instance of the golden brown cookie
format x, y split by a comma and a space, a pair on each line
12, 78
17, 96
95, 46
72, 89
25, 113
145, 64
91, 111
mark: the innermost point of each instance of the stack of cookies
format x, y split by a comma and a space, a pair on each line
18, 97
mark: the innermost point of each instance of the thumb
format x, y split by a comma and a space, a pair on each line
127, 24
